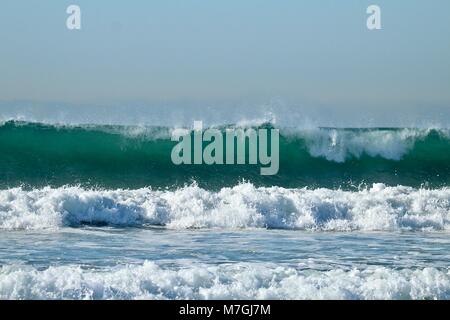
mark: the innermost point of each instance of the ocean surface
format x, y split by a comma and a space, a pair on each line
100, 212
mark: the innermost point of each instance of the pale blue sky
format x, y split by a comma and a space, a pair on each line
310, 53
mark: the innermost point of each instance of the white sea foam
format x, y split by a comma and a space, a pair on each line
231, 281
243, 206
340, 145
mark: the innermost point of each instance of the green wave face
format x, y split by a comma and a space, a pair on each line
37, 155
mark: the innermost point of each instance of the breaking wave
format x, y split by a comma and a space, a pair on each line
128, 157
243, 206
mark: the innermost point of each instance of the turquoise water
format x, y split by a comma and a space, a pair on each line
134, 157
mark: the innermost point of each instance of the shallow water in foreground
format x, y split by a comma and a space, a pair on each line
158, 263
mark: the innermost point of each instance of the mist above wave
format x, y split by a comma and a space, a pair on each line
183, 113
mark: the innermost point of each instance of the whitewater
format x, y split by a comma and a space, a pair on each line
379, 208
238, 281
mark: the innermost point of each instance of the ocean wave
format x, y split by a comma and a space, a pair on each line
113, 157
333, 144
379, 208
230, 281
